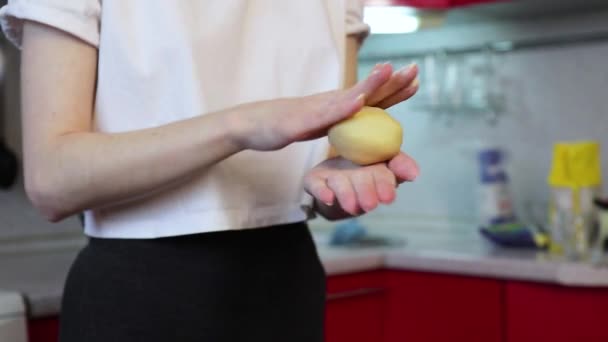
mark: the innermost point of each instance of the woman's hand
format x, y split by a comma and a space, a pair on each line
271, 125
402, 85
358, 189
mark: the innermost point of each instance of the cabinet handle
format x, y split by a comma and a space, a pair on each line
354, 293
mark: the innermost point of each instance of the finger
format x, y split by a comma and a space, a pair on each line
365, 189
345, 193
385, 185
404, 168
400, 96
317, 187
343, 105
376, 79
399, 80
325, 115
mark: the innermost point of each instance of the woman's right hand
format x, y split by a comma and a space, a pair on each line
272, 125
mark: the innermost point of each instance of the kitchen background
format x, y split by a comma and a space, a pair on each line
553, 93
516, 75
550, 93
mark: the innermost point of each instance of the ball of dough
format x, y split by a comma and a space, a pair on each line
368, 137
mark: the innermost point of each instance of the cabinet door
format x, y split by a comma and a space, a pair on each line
43, 329
539, 312
356, 307
425, 307
355, 316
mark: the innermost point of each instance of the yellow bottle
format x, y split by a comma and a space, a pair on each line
575, 179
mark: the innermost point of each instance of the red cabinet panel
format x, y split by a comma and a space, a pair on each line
401, 306
425, 307
540, 312
356, 307
352, 281
355, 318
43, 329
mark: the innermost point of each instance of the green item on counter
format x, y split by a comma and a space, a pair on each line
515, 235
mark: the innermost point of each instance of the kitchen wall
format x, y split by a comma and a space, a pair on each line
11, 110
552, 94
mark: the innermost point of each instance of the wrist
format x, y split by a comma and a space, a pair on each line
238, 128
252, 125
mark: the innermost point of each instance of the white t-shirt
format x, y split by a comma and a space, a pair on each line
161, 61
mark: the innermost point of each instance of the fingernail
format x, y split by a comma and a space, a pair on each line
377, 67
410, 174
361, 97
329, 204
370, 208
415, 83
415, 173
406, 69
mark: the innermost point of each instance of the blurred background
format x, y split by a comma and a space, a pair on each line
501, 237
517, 75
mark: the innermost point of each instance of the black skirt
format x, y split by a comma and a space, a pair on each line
264, 284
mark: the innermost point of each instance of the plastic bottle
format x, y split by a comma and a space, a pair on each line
575, 179
495, 203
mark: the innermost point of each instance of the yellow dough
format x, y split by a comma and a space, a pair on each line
370, 136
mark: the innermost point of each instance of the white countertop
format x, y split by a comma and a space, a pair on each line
11, 305
13, 325
464, 255
40, 276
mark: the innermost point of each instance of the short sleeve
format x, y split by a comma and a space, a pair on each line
354, 19
80, 18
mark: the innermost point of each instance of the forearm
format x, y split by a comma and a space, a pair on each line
84, 170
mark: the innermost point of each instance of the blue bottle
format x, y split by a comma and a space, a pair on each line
495, 204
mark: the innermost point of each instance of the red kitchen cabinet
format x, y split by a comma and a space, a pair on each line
43, 329
541, 312
430, 4
425, 307
356, 307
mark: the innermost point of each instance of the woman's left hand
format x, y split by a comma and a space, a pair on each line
359, 189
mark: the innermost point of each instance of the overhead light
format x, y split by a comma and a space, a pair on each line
391, 19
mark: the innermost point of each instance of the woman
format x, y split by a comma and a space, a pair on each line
179, 125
